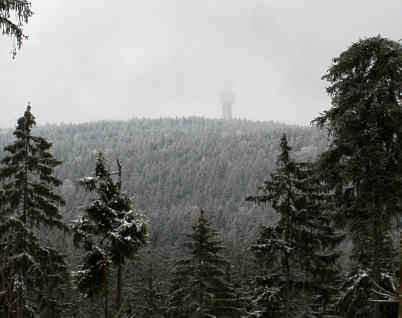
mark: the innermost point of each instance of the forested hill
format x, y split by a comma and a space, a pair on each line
174, 167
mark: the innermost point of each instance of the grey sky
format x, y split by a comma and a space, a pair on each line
92, 60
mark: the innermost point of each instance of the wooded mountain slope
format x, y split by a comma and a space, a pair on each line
175, 167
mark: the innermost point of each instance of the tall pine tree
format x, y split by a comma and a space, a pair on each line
296, 253
363, 162
33, 277
109, 229
200, 286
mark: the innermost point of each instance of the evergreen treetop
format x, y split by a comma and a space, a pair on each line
109, 229
200, 286
295, 254
363, 163
28, 179
34, 277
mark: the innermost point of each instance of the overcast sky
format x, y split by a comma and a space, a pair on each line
92, 60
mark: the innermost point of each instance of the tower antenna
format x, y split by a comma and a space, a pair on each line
227, 99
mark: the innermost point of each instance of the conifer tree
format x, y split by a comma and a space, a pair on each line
200, 286
109, 229
13, 15
146, 300
33, 277
295, 254
363, 162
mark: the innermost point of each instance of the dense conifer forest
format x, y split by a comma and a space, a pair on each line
195, 217
175, 167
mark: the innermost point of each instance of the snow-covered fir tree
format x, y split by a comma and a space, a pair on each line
33, 277
200, 286
363, 162
109, 229
296, 253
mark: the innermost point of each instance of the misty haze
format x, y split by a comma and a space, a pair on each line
200, 159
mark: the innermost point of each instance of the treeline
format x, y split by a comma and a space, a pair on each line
317, 241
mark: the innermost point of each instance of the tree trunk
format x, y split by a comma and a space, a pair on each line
119, 288
400, 276
25, 199
119, 271
286, 260
375, 306
106, 288
287, 288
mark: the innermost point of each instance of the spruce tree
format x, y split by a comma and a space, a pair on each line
33, 277
110, 231
296, 253
13, 15
146, 300
363, 162
200, 286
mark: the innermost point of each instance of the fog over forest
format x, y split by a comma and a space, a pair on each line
84, 62
201, 159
